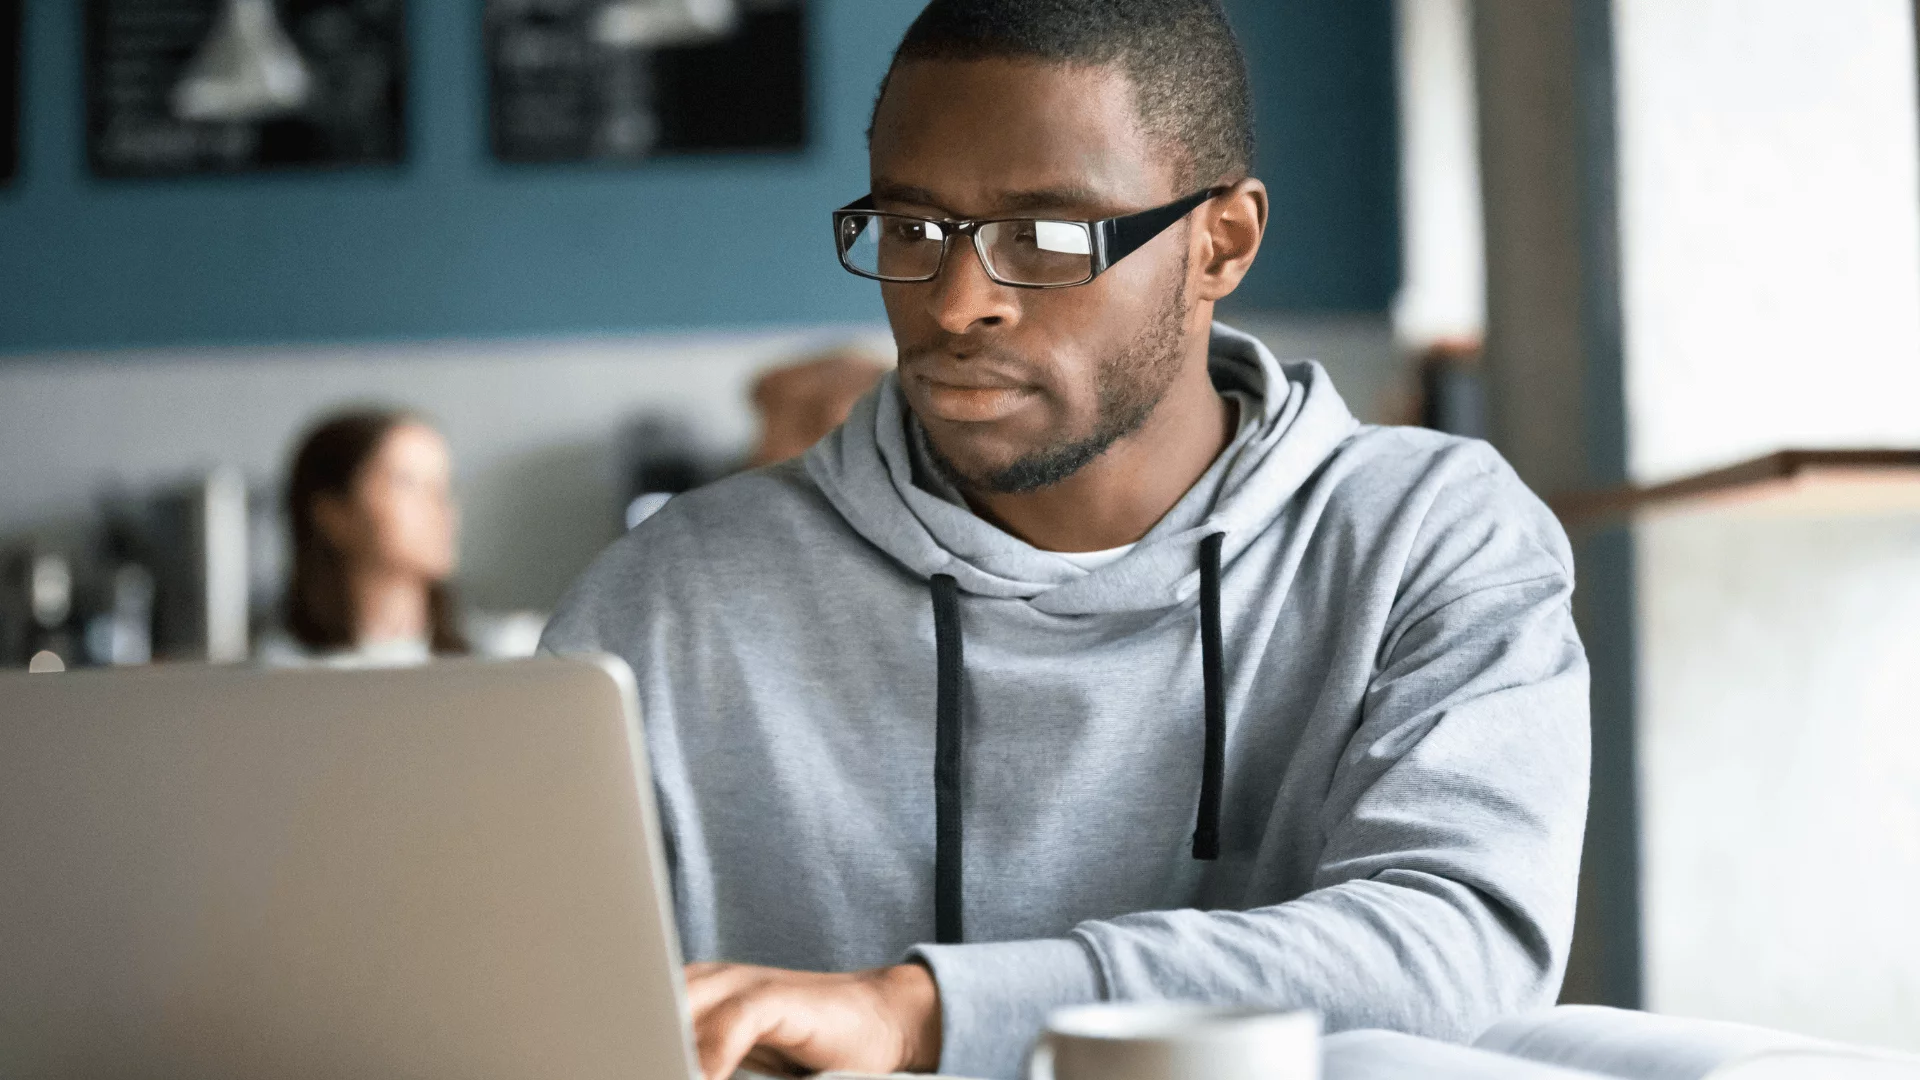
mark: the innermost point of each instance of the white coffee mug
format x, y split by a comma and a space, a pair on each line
1163, 1041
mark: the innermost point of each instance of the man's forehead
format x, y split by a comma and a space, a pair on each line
1066, 196
989, 136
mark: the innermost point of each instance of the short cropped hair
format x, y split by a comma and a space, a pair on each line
1188, 74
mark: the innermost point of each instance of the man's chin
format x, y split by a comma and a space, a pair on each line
974, 469
967, 467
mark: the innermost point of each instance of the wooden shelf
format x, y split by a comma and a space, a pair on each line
1787, 483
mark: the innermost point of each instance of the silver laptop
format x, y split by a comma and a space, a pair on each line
450, 871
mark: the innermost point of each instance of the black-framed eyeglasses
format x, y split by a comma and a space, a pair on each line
1028, 253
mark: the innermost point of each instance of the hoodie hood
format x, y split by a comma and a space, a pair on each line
866, 471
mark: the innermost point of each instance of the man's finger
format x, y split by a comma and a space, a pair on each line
725, 1036
714, 983
772, 1063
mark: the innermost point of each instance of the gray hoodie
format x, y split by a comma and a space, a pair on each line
1398, 741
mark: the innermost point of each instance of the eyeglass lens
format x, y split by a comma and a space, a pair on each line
1018, 252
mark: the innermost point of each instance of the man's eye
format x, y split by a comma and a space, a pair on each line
916, 231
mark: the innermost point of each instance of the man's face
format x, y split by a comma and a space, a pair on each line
1017, 388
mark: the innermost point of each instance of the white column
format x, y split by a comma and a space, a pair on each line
1443, 286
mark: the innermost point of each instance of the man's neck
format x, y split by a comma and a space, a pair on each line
1124, 492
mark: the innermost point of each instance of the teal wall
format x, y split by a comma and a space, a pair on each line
451, 244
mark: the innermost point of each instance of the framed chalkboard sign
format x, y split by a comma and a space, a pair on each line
10, 75
593, 80
210, 86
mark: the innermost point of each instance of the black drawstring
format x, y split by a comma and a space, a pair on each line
1213, 765
948, 751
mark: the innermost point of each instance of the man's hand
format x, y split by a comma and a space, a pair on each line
796, 1022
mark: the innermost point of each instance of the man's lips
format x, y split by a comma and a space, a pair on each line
968, 396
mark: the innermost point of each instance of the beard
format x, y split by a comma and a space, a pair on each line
1129, 384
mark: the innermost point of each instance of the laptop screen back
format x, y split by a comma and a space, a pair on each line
450, 871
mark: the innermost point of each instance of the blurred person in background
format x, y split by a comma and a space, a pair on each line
797, 403
800, 402
370, 505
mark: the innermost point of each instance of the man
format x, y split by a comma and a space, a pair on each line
1098, 655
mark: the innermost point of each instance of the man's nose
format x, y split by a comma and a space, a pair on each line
964, 298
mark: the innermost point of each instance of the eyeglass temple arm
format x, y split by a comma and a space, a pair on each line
1122, 236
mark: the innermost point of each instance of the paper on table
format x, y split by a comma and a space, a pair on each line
1389, 1055
1798, 1065
1646, 1046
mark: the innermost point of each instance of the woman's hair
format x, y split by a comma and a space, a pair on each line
319, 608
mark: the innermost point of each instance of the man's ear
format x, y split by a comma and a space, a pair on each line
1227, 236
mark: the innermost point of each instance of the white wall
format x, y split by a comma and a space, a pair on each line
532, 424
1780, 767
1770, 227
1770, 235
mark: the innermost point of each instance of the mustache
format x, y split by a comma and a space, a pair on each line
954, 350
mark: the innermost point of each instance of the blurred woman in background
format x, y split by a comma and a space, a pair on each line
371, 508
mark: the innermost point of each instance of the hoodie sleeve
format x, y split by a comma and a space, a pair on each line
1443, 897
